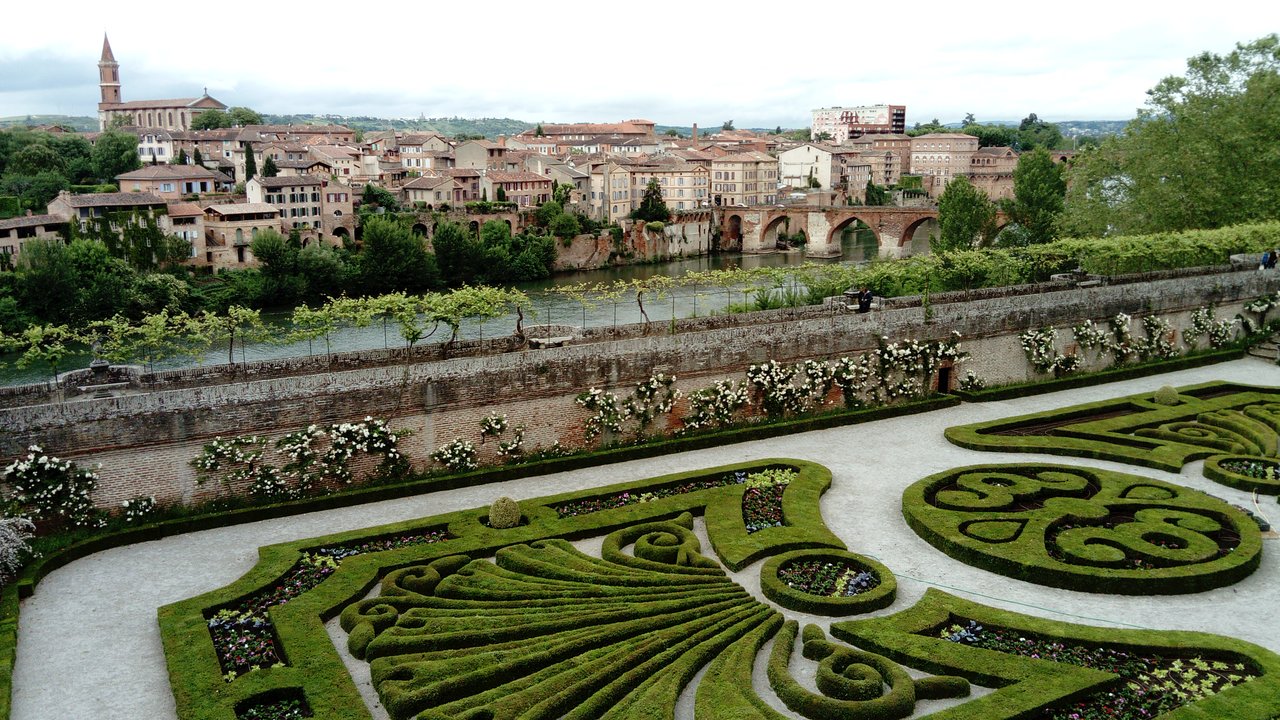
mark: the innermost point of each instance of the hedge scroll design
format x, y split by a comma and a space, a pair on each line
1084, 529
1212, 420
309, 666
1068, 682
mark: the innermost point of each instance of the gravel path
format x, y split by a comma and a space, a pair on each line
89, 644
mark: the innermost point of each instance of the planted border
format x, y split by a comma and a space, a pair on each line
1084, 529
313, 666
1025, 686
1210, 419
837, 562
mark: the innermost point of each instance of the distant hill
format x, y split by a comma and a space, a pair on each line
79, 123
1069, 128
449, 127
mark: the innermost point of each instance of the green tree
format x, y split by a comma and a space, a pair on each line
34, 191
211, 120
965, 216
564, 226
198, 157
460, 257
562, 193
1200, 155
547, 212
1038, 192
375, 196
537, 131
726, 125
969, 120
394, 258
250, 163
652, 207
876, 194
500, 195
182, 157
269, 168
1036, 133
115, 153
242, 116
36, 158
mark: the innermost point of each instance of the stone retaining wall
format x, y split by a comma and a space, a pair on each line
146, 438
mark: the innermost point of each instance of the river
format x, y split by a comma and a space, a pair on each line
548, 307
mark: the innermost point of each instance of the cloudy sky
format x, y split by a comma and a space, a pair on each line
675, 63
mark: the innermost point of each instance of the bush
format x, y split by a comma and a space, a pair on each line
504, 513
1166, 395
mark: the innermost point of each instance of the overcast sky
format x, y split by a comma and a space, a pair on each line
675, 63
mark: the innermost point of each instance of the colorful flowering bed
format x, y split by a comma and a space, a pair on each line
284, 709
1154, 684
243, 636
827, 577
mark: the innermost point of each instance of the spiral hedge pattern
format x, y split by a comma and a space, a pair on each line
1084, 529
1216, 421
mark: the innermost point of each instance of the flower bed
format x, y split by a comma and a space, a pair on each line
611, 501
243, 635
1054, 670
1245, 472
827, 582
1154, 684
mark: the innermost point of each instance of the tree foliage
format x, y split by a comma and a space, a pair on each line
1202, 154
115, 153
965, 216
1038, 192
652, 207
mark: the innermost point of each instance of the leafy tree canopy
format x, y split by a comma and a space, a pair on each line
965, 216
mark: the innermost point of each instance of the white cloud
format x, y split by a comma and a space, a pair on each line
674, 63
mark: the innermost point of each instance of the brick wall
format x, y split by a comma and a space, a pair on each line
145, 440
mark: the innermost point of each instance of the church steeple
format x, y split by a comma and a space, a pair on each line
108, 74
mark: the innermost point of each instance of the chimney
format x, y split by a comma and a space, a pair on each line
695, 132
502, 141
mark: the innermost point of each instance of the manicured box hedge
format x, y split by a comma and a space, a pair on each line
1137, 430
1011, 519
314, 667
880, 596
1025, 685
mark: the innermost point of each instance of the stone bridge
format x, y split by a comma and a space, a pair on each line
757, 228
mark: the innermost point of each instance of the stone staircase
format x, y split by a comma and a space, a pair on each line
1268, 349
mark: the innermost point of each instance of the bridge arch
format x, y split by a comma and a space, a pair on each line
421, 229
735, 229
769, 236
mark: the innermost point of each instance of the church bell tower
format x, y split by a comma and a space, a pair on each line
108, 74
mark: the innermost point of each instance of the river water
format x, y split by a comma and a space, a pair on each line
548, 308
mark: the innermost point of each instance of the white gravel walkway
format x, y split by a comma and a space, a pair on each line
89, 644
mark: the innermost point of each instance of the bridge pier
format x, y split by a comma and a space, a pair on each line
821, 242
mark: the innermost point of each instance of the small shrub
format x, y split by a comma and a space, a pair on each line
1166, 396
14, 534
504, 513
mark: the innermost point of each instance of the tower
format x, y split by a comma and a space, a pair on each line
108, 74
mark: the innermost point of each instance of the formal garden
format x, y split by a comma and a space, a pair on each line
723, 591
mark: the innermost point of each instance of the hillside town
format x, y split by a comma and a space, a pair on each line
216, 189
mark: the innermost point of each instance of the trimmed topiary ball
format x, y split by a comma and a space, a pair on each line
504, 513
1166, 396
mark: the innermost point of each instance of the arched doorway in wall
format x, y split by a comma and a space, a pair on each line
420, 229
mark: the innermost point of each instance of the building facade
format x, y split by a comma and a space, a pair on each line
175, 114
842, 123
